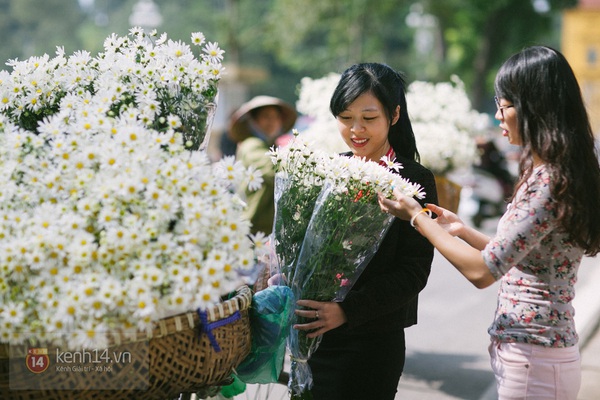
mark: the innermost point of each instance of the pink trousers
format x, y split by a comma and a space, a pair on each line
533, 372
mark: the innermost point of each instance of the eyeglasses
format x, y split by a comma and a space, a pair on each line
501, 108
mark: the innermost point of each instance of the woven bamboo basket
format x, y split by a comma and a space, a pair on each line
448, 193
180, 359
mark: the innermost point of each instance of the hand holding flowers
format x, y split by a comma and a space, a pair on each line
408, 209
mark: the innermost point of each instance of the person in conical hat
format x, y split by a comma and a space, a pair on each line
256, 126
265, 117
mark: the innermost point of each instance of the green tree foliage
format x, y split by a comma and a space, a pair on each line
284, 40
321, 36
33, 27
478, 35
472, 37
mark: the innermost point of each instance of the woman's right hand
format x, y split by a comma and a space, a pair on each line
447, 220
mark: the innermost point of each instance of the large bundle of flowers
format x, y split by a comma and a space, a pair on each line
445, 124
328, 226
155, 79
109, 221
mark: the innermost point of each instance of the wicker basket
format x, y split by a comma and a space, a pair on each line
448, 193
180, 359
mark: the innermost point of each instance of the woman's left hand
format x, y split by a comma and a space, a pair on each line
326, 316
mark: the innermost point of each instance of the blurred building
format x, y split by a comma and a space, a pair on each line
581, 46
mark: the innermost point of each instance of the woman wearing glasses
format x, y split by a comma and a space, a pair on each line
551, 222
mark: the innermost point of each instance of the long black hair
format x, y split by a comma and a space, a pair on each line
388, 86
554, 126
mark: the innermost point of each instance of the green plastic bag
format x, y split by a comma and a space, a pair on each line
270, 324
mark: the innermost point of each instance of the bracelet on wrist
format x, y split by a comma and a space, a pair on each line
414, 217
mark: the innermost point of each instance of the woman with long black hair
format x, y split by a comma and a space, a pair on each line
552, 221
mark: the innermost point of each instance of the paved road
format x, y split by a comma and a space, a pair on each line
447, 350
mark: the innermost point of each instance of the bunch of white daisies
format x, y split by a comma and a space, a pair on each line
302, 171
157, 80
306, 163
109, 222
445, 124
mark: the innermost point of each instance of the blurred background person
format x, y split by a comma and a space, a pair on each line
257, 125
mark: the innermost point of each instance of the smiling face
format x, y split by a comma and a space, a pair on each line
364, 127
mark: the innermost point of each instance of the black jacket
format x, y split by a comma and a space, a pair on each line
385, 296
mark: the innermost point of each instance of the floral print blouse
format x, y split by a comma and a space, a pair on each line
537, 267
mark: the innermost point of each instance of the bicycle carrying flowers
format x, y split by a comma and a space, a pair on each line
105, 208
328, 225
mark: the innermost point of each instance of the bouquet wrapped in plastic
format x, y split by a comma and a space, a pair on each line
298, 181
328, 225
343, 235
